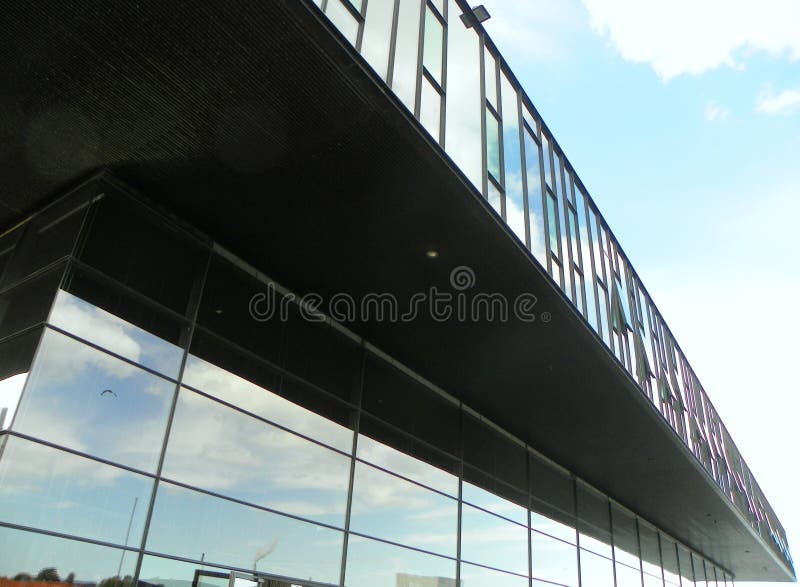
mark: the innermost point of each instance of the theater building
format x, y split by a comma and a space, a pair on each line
298, 293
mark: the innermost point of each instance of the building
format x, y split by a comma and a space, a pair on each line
308, 294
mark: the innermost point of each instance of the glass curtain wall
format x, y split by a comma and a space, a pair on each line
156, 430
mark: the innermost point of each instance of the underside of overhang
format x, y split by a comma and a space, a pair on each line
255, 123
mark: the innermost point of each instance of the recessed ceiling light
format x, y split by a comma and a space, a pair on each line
432, 254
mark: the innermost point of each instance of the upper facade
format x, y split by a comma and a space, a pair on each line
443, 66
333, 145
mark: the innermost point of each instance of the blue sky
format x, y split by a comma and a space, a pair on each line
683, 121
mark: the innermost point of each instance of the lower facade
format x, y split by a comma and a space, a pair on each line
171, 417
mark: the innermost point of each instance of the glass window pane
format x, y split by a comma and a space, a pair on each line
650, 552
229, 305
371, 563
593, 521
464, 104
434, 44
553, 225
430, 109
554, 560
405, 456
493, 144
28, 304
491, 451
397, 398
175, 261
489, 540
48, 237
200, 527
512, 158
16, 356
321, 355
343, 19
375, 41
669, 559
490, 70
626, 542
495, 198
392, 508
475, 575
8, 243
46, 488
89, 401
404, 81
596, 571
685, 561
494, 503
552, 500
536, 219
32, 556
628, 576
271, 468
103, 328
263, 402
546, 151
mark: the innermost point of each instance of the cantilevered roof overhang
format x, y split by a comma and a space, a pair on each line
254, 121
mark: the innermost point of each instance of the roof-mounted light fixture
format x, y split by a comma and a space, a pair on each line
478, 14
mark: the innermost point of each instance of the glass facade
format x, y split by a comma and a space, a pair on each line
443, 66
154, 432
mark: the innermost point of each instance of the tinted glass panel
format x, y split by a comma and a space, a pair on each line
491, 451
201, 527
408, 457
494, 503
406, 403
321, 355
376, 564
554, 560
97, 325
626, 542
89, 401
594, 521
8, 243
174, 262
219, 449
552, 500
493, 541
650, 552
54, 490
392, 508
28, 304
263, 402
243, 309
28, 556
46, 238
669, 560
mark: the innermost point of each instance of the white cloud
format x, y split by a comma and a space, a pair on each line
783, 103
686, 36
716, 113
532, 29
